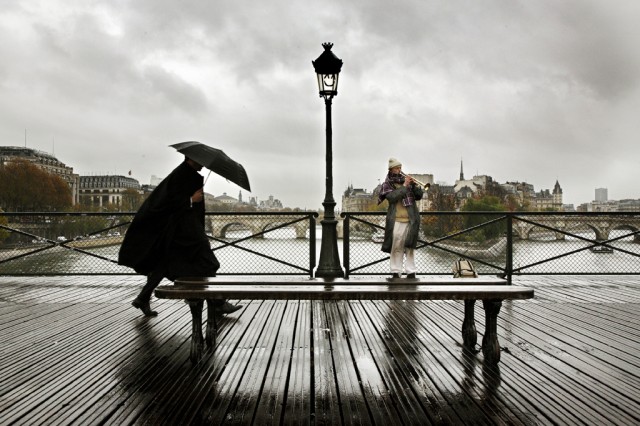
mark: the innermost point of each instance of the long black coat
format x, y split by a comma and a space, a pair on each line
414, 217
168, 232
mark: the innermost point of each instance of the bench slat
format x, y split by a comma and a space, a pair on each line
360, 280
343, 292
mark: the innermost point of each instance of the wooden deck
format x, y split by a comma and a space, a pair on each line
73, 351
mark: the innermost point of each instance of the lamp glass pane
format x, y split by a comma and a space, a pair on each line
328, 81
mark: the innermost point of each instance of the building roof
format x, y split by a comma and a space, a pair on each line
224, 197
24, 152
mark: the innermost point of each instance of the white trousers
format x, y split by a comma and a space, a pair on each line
400, 230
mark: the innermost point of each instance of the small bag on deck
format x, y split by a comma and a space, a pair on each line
462, 268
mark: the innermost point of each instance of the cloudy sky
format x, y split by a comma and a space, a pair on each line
533, 91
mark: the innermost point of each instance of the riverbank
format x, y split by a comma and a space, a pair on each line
87, 243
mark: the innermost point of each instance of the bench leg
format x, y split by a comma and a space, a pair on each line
212, 325
490, 345
469, 333
197, 343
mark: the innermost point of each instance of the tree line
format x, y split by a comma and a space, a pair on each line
25, 187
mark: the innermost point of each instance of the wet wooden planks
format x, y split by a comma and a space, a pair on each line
74, 352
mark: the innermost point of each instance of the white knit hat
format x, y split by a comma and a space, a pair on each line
394, 162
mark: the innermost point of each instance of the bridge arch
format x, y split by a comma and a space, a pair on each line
526, 231
627, 227
221, 231
219, 225
300, 228
600, 226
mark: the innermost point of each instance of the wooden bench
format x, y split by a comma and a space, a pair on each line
491, 290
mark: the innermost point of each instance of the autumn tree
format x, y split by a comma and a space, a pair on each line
494, 189
26, 187
131, 200
486, 203
442, 224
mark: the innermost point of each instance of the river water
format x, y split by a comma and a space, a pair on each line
282, 253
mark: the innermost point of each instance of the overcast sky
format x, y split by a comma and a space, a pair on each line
533, 91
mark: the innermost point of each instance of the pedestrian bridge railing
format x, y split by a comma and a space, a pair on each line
257, 243
287, 243
504, 243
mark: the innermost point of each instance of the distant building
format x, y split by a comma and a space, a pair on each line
466, 189
548, 200
522, 191
423, 177
270, 204
45, 161
626, 205
424, 204
361, 200
526, 195
602, 195
225, 199
103, 190
605, 206
473, 185
357, 200
463, 194
629, 206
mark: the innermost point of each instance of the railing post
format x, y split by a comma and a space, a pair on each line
312, 244
345, 243
509, 261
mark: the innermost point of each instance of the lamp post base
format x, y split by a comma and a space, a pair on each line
329, 263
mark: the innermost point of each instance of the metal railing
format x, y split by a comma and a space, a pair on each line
285, 243
504, 243
253, 243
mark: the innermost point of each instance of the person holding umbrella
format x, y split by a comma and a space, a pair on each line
167, 236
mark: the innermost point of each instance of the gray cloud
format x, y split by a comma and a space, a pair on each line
534, 91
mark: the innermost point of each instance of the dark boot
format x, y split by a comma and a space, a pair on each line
142, 301
226, 308
144, 307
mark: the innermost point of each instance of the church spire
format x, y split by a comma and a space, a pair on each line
557, 189
461, 172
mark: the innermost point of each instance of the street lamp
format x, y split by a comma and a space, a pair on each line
327, 68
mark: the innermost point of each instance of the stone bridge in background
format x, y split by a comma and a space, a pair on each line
527, 227
220, 225
524, 226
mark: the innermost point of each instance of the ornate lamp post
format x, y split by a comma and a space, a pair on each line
327, 68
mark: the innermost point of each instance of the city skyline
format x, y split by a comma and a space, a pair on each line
526, 91
598, 191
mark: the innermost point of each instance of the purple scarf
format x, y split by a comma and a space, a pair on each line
389, 185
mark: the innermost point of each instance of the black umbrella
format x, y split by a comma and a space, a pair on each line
216, 161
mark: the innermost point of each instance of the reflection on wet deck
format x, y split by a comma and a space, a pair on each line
73, 351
